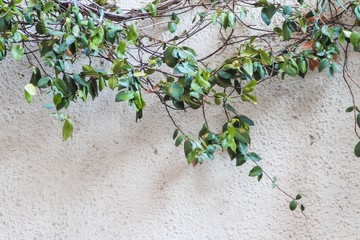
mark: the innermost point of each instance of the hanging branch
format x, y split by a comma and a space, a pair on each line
54, 35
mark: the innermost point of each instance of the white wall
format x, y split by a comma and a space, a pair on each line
121, 180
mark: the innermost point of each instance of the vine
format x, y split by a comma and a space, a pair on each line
56, 36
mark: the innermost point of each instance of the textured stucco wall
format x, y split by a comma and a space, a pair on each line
121, 180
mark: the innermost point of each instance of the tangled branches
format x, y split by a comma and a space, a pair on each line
54, 36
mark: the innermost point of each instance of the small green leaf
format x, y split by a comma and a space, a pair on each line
79, 80
246, 120
28, 97
355, 38
298, 197
70, 39
254, 156
172, 26
357, 150
123, 96
350, 109
229, 108
357, 12
43, 82
132, 33
179, 140
67, 129
231, 19
17, 51
48, 106
287, 33
31, 89
293, 205
187, 148
291, 71
358, 119
176, 91
323, 64
256, 171
267, 13
248, 66
265, 58
112, 82
240, 160
287, 11
176, 132
152, 8
169, 58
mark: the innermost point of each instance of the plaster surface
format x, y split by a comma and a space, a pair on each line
120, 180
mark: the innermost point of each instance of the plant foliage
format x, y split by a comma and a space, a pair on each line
56, 36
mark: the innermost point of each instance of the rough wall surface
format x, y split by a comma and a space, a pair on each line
121, 180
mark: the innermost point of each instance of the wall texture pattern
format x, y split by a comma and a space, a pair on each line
120, 180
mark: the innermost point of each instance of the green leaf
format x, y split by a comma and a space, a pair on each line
246, 120
152, 8
300, 1
291, 71
176, 91
240, 160
123, 96
67, 129
17, 51
179, 140
139, 100
48, 106
357, 150
76, 31
187, 148
204, 130
248, 66
350, 109
60, 85
254, 156
31, 89
265, 58
293, 205
256, 171
169, 58
57, 99
287, 33
358, 119
132, 33
231, 19
298, 197
326, 31
176, 132
323, 64
28, 97
43, 82
120, 50
287, 10
172, 26
112, 82
79, 80
355, 38
230, 108
357, 12
70, 39
213, 19
267, 13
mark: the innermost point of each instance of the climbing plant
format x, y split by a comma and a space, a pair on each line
64, 40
